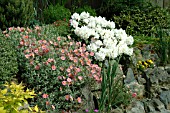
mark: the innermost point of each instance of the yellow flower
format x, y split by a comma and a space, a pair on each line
139, 62
146, 65
150, 61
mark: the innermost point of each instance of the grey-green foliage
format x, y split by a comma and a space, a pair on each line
15, 13
8, 60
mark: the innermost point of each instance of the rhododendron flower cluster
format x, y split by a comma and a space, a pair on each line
105, 40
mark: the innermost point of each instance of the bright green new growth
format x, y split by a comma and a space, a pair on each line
15, 13
13, 97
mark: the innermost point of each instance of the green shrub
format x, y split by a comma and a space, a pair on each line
57, 69
110, 7
86, 8
8, 60
15, 13
143, 21
54, 13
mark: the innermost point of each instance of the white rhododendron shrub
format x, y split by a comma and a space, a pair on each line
105, 39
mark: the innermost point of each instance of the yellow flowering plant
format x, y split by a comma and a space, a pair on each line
141, 65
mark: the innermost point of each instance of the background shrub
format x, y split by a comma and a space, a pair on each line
15, 13
8, 60
54, 13
86, 9
143, 21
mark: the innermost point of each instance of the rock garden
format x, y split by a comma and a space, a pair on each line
56, 58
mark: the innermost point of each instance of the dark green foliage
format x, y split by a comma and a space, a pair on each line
110, 7
86, 9
163, 47
142, 20
54, 13
8, 60
15, 13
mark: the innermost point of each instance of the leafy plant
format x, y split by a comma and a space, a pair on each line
86, 8
15, 13
144, 20
56, 66
114, 93
110, 7
162, 47
13, 97
54, 13
8, 60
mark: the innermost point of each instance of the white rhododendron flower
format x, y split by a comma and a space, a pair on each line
105, 39
75, 16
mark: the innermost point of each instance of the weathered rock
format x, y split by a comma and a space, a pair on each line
167, 68
137, 107
89, 103
117, 110
129, 77
158, 104
165, 97
159, 80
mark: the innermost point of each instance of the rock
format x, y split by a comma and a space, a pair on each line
165, 97
141, 80
154, 105
158, 104
129, 77
117, 110
167, 68
137, 107
165, 111
89, 104
159, 80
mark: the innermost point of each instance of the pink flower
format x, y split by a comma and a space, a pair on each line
58, 38
36, 50
27, 56
71, 43
67, 97
47, 103
22, 42
77, 70
53, 107
75, 60
45, 95
91, 54
10, 29
69, 80
59, 78
53, 67
63, 57
50, 60
64, 83
37, 67
79, 100
68, 70
134, 95
69, 37
80, 78
71, 58
96, 110
62, 51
